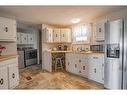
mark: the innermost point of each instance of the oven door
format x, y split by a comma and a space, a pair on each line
30, 57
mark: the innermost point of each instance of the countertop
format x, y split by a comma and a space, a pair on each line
70, 51
6, 57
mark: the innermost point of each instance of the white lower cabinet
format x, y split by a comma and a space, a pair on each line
13, 75
96, 68
3, 78
90, 66
9, 74
47, 61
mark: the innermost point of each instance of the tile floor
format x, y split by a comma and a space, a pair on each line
35, 78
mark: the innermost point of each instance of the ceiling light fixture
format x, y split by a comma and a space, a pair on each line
75, 20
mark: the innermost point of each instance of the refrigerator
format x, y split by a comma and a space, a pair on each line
115, 68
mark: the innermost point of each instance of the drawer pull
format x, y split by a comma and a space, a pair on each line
75, 65
13, 75
6, 29
79, 60
95, 70
1, 81
84, 67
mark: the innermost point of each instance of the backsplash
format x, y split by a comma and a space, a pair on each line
11, 48
76, 47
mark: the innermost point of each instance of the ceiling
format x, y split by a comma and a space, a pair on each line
56, 15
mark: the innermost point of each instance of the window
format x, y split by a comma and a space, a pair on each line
81, 34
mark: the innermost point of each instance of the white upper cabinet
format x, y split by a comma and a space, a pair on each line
18, 38
48, 34
56, 35
7, 29
65, 35
23, 38
100, 31
30, 38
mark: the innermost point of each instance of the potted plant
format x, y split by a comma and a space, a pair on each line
1, 49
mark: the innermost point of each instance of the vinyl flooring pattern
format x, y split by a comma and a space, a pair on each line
35, 78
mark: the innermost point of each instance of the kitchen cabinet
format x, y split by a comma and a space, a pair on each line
48, 34
72, 65
100, 31
3, 77
56, 35
13, 75
10, 78
96, 64
65, 35
18, 38
7, 29
30, 39
23, 38
47, 61
83, 68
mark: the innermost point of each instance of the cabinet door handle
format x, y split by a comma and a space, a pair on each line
63, 35
84, 67
95, 70
79, 71
95, 57
79, 60
56, 35
68, 63
75, 65
99, 29
6, 29
13, 75
1, 81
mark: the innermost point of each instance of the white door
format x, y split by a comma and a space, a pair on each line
18, 38
13, 75
30, 38
49, 35
84, 65
7, 29
24, 39
48, 61
69, 62
56, 35
100, 31
65, 35
75, 64
3, 78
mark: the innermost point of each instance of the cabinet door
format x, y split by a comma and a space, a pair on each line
69, 62
48, 61
7, 29
75, 64
13, 75
84, 66
56, 35
23, 38
18, 38
30, 38
3, 78
49, 35
65, 35
100, 31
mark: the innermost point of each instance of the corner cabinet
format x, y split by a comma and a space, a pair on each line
48, 35
7, 29
10, 78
